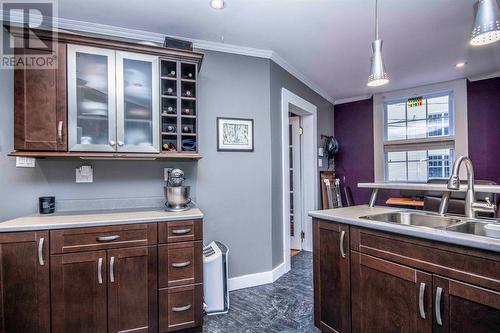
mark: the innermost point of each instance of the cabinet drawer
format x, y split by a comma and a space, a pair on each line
180, 308
100, 238
473, 266
180, 231
180, 264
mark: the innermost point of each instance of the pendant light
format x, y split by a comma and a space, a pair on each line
378, 75
486, 28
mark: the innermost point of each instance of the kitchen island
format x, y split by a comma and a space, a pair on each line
374, 276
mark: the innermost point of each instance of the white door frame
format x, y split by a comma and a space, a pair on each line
308, 112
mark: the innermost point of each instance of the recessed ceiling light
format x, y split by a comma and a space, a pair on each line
217, 4
460, 64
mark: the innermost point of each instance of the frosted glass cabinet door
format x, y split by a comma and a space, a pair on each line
138, 103
91, 99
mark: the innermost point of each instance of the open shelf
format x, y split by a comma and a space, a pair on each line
131, 156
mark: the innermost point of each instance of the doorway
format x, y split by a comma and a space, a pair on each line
307, 180
295, 154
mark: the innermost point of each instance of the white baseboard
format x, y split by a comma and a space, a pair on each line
257, 279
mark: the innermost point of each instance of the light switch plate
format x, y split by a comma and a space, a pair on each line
85, 174
25, 162
320, 152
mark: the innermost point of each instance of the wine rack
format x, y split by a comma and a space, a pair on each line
179, 112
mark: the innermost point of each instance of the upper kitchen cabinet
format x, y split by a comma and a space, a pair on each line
113, 100
104, 101
40, 105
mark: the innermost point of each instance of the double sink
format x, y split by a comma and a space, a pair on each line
444, 222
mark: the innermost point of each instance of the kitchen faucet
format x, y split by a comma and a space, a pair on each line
471, 205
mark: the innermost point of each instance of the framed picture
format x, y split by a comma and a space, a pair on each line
234, 134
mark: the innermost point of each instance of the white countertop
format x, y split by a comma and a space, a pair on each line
429, 187
351, 215
95, 219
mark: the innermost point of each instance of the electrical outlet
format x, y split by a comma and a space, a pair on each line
320, 152
166, 171
320, 162
85, 174
25, 162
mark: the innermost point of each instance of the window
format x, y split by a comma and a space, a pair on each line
419, 139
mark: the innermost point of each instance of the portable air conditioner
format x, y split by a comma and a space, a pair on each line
215, 278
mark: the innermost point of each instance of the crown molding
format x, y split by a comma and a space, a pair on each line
484, 76
108, 30
352, 99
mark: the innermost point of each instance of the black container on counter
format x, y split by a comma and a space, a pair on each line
46, 205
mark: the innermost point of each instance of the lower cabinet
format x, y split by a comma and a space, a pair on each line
181, 307
388, 297
393, 283
462, 307
331, 276
24, 282
105, 291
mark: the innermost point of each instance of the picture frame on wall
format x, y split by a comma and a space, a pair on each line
235, 134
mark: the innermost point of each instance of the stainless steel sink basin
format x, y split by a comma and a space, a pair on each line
420, 219
472, 228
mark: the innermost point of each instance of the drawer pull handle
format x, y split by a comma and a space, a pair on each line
421, 294
59, 133
181, 308
40, 252
437, 306
107, 238
181, 264
112, 269
99, 271
181, 231
342, 236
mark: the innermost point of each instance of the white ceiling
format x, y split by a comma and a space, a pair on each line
328, 41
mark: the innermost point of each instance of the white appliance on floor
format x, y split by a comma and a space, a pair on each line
215, 278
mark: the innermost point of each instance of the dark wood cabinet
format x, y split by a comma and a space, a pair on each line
461, 307
24, 282
132, 290
387, 297
331, 276
180, 264
40, 109
181, 307
78, 291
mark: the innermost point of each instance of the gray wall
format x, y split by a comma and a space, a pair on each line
282, 79
238, 192
234, 188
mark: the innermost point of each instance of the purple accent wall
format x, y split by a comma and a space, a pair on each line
353, 128
483, 113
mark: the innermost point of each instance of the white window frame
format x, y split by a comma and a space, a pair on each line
457, 88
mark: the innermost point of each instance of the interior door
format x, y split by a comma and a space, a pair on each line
388, 297
91, 99
461, 307
78, 292
332, 300
138, 102
24, 282
132, 290
295, 185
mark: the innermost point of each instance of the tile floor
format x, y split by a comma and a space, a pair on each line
284, 306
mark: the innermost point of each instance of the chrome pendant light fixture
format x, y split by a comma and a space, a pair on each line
378, 76
486, 28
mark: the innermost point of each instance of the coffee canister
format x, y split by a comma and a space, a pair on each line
46, 205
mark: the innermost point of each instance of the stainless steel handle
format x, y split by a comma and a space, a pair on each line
421, 294
112, 269
107, 238
181, 264
59, 132
342, 236
120, 143
437, 306
181, 231
181, 308
40, 251
112, 143
99, 271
